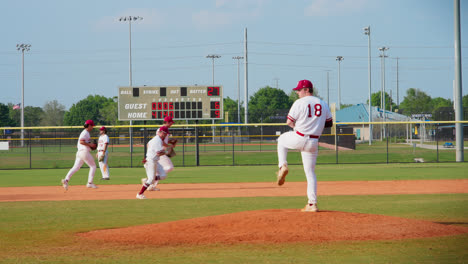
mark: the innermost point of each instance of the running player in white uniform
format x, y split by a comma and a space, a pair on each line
164, 160
155, 151
308, 116
103, 154
83, 155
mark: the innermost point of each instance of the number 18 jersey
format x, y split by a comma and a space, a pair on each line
309, 114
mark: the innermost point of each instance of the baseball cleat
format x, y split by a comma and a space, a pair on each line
140, 196
281, 176
310, 208
65, 184
152, 188
91, 185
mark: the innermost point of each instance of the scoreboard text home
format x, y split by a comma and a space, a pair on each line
180, 102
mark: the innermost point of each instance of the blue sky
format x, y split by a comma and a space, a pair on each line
80, 47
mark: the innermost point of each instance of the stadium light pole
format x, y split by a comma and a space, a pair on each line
382, 95
339, 59
367, 31
130, 19
22, 48
213, 57
238, 58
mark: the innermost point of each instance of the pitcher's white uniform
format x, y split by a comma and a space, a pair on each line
164, 160
103, 141
309, 115
152, 165
83, 155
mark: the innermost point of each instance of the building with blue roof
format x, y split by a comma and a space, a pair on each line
360, 113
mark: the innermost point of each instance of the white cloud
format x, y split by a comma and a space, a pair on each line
333, 7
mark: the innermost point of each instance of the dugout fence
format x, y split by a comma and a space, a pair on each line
237, 144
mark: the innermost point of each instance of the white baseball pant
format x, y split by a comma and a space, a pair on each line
83, 156
103, 165
152, 168
309, 152
166, 163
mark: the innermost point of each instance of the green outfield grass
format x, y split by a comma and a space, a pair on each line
44, 232
257, 153
212, 174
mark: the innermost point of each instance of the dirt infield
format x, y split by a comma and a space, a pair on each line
212, 190
266, 226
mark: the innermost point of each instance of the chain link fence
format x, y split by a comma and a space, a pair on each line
235, 144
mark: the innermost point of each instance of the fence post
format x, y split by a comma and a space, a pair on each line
30, 150
386, 129
437, 141
183, 146
131, 147
197, 152
233, 138
337, 138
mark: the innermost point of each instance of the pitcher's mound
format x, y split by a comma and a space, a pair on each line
276, 226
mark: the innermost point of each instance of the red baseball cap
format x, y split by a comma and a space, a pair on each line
168, 119
303, 84
103, 128
89, 122
164, 129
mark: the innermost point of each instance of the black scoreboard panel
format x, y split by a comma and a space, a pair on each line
180, 102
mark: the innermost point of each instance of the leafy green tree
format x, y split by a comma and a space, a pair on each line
293, 97
85, 109
230, 106
465, 100
109, 114
416, 102
32, 116
389, 104
5, 119
440, 102
266, 102
53, 114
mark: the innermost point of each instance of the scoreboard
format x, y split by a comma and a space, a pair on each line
179, 102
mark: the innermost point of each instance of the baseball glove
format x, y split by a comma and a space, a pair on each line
173, 142
170, 152
101, 156
93, 145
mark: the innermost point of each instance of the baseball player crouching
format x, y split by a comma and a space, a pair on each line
83, 155
165, 160
152, 166
102, 153
308, 116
